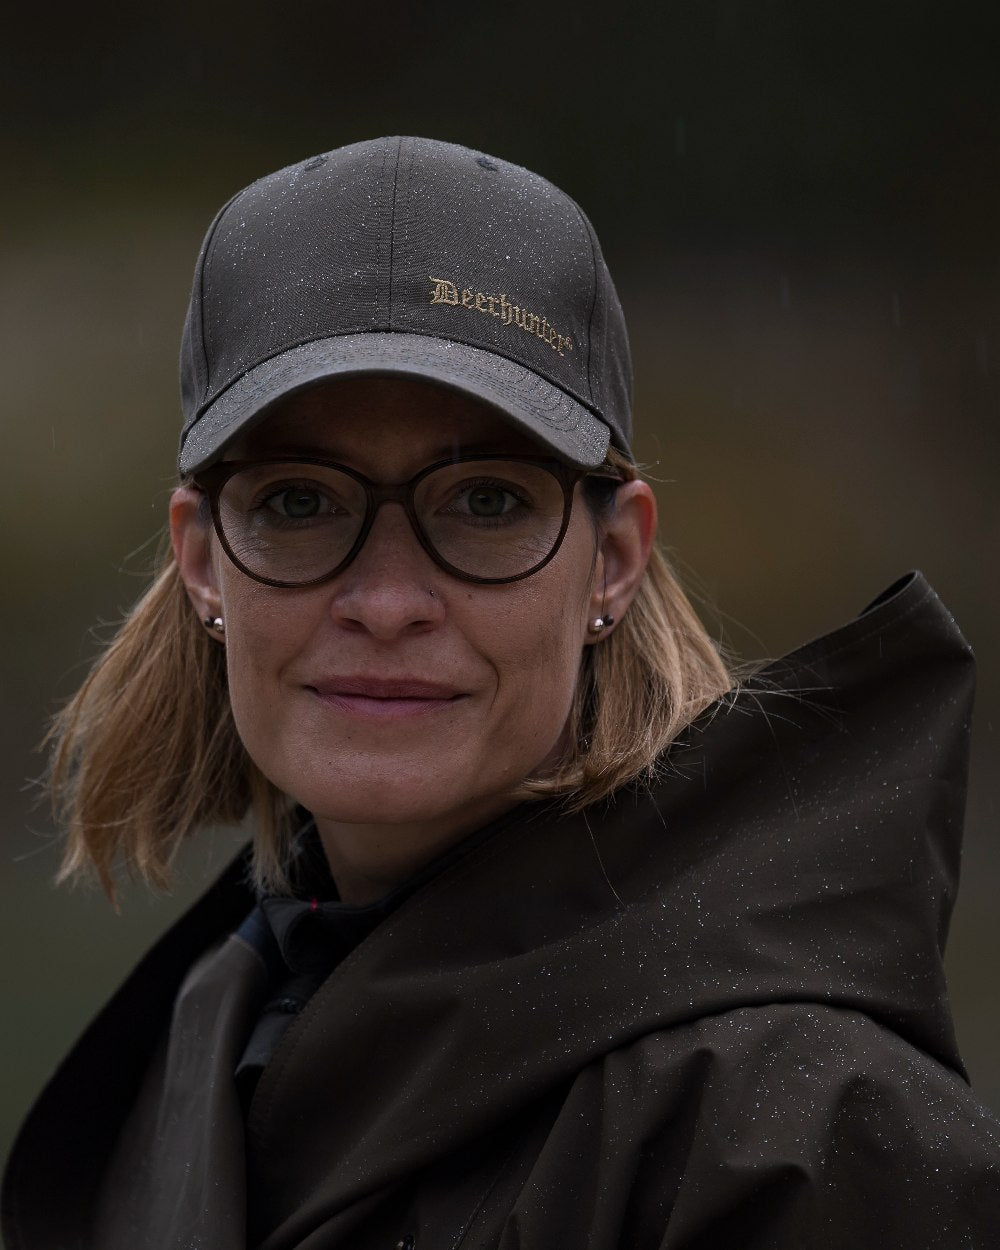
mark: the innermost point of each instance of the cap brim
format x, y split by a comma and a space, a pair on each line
530, 402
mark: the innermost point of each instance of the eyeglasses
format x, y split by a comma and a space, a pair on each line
482, 518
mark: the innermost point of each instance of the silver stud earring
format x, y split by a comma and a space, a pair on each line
605, 620
601, 622
215, 622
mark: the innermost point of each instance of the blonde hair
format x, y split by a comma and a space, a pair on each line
147, 751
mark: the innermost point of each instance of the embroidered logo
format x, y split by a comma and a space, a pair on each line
446, 292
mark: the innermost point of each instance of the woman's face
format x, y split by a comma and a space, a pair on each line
399, 704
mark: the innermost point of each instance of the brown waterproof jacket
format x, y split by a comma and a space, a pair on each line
709, 1014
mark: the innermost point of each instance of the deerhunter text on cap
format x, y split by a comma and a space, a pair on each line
412, 257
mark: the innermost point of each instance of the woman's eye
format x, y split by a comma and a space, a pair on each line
490, 501
298, 503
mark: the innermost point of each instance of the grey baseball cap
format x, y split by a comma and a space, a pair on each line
409, 257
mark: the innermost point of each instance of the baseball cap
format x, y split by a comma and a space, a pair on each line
410, 257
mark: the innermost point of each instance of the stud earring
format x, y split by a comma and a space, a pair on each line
601, 622
605, 620
215, 622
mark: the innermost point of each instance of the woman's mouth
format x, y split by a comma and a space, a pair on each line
385, 699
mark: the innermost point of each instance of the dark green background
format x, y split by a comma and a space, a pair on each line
800, 202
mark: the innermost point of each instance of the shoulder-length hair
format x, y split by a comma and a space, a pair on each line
147, 750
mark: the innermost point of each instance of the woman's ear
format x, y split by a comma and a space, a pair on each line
191, 537
626, 539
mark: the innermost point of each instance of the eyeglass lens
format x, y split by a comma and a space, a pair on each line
294, 522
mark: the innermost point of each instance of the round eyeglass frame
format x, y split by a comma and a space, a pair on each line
213, 479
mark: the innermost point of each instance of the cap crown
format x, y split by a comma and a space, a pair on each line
413, 236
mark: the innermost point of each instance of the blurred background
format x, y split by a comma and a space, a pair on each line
800, 202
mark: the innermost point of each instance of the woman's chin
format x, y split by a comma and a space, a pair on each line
400, 797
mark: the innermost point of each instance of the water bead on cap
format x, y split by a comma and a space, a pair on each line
408, 257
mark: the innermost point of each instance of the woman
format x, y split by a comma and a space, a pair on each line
544, 939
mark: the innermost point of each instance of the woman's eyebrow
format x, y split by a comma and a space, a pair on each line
483, 447
453, 447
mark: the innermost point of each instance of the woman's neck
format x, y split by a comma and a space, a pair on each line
367, 861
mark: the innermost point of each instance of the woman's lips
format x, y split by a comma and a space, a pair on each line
381, 698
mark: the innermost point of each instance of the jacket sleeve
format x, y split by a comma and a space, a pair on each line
793, 1125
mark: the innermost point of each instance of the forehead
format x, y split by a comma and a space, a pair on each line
380, 421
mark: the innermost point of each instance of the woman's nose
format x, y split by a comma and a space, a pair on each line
391, 586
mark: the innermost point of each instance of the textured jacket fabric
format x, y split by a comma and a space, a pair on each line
710, 1013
